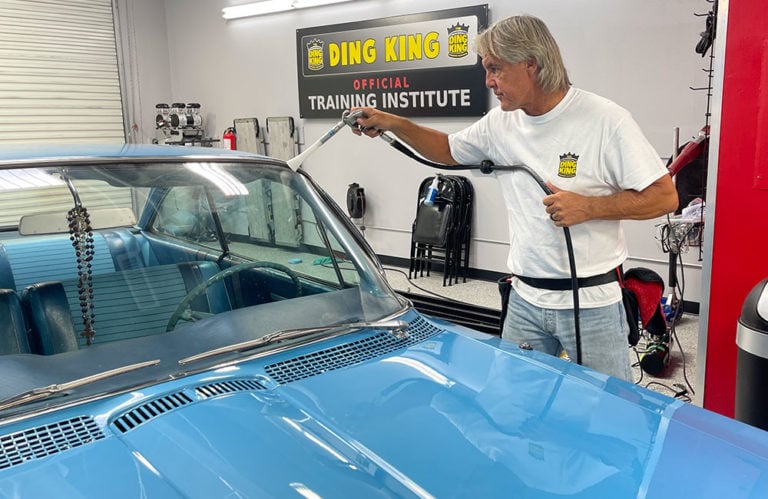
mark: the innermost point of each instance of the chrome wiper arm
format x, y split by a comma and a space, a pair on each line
47, 391
397, 326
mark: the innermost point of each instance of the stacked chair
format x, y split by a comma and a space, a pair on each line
442, 229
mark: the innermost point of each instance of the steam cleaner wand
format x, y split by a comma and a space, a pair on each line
348, 118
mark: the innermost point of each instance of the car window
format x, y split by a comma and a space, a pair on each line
56, 198
140, 264
185, 213
272, 223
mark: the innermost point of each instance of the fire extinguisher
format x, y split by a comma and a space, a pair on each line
230, 138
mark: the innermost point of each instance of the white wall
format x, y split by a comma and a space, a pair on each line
145, 64
638, 53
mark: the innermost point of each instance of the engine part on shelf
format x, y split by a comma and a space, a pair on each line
162, 118
180, 124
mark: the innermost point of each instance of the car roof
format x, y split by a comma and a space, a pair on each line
33, 153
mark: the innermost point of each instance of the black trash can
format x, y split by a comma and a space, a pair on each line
752, 362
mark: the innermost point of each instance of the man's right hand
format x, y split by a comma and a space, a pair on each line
373, 122
429, 143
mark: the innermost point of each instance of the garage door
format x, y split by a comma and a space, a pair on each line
59, 78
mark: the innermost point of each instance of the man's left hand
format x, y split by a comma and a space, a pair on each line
566, 208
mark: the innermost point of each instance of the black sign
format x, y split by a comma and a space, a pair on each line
413, 65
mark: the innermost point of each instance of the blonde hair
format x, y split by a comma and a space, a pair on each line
521, 38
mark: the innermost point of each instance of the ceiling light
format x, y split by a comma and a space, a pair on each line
271, 6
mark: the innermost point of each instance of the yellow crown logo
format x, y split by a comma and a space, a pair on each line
315, 54
458, 40
458, 28
568, 163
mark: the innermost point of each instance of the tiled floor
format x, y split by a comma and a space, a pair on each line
676, 378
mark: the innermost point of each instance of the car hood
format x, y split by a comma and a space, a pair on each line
452, 416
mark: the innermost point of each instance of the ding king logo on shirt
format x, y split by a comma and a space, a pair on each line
567, 168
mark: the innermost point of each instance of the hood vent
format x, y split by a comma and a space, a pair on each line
150, 410
349, 353
224, 387
35, 443
156, 407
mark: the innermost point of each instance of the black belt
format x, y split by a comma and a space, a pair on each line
565, 284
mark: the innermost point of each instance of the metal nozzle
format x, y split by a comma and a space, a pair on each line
350, 118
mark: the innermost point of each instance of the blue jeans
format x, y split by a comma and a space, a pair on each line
603, 332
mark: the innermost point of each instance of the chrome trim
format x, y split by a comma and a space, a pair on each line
752, 341
288, 334
45, 391
62, 161
285, 348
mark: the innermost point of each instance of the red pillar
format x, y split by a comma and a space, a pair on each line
740, 232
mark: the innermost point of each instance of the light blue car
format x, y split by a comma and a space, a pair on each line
180, 322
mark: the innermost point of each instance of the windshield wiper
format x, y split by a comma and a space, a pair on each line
47, 391
397, 327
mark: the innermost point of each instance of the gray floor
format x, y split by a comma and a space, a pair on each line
676, 377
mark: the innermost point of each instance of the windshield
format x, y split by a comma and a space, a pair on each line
120, 262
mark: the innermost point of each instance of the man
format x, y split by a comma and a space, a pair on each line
599, 166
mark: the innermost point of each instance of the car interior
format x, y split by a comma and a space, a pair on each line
132, 275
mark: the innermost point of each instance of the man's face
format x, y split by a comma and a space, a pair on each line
514, 84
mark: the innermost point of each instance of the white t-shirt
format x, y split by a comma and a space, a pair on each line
586, 144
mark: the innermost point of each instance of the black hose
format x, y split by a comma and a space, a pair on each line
488, 167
